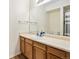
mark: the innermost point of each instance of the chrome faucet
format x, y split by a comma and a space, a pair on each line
40, 34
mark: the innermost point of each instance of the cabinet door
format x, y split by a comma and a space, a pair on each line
50, 56
67, 55
39, 53
28, 50
22, 45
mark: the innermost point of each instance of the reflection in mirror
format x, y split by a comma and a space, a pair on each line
67, 20
52, 17
53, 21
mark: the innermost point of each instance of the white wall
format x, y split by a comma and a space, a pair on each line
18, 11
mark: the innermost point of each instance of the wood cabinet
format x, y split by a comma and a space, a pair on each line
35, 50
28, 49
39, 51
22, 45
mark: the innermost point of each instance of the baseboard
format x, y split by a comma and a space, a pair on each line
13, 55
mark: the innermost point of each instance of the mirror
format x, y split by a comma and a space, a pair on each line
52, 17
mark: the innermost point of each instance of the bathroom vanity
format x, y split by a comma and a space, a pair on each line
34, 47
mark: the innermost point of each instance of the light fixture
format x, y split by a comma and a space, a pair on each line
41, 2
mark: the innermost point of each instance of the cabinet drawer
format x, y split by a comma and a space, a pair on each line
39, 45
56, 52
28, 41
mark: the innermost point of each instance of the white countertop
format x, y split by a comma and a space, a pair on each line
53, 42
